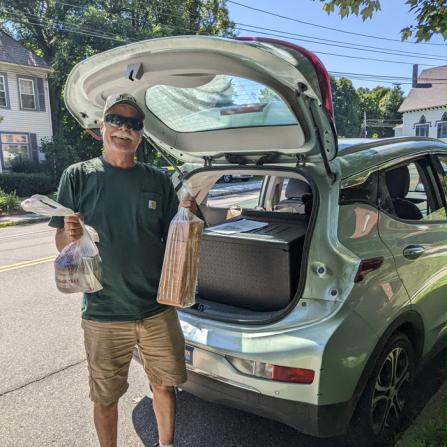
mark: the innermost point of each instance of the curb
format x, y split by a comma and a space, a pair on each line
24, 221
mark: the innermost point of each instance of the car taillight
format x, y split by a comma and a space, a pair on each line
367, 266
272, 372
296, 375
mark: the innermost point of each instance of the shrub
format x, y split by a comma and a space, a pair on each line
24, 164
65, 149
8, 202
25, 185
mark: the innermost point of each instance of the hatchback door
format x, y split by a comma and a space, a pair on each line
213, 100
413, 224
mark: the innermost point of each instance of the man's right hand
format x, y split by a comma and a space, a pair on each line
73, 228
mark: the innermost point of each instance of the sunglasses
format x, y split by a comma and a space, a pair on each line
132, 123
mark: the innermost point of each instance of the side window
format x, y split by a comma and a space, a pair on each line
366, 192
409, 192
235, 196
442, 172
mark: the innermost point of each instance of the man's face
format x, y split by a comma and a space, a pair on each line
120, 140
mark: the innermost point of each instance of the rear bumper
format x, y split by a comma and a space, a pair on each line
314, 420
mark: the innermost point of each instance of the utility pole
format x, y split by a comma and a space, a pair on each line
364, 124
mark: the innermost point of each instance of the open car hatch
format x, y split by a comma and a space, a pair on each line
215, 100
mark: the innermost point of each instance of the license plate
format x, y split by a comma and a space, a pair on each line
188, 354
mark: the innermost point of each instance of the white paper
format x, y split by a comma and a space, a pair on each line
239, 226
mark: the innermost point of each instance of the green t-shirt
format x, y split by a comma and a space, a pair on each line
131, 210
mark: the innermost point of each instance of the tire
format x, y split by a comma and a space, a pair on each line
227, 178
384, 398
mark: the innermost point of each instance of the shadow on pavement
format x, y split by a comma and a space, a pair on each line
204, 424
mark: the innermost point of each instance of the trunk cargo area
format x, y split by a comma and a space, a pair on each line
257, 270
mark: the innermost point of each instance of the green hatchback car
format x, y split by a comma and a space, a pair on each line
323, 284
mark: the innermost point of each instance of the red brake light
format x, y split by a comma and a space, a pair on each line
296, 375
324, 80
367, 266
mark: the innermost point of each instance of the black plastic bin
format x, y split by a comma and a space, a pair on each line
257, 270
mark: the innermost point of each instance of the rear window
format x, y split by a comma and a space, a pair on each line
226, 102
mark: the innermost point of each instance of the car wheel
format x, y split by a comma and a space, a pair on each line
227, 178
386, 394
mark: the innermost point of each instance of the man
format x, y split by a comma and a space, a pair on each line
130, 205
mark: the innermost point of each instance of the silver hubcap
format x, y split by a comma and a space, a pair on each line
390, 389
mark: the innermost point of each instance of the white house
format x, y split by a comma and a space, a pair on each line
425, 109
25, 116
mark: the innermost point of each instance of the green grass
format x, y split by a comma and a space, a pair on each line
433, 433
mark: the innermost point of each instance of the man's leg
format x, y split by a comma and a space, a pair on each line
109, 348
106, 423
164, 404
162, 351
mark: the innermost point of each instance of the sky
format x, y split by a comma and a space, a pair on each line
386, 23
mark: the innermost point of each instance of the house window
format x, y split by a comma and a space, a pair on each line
422, 130
3, 99
27, 94
442, 126
422, 127
14, 145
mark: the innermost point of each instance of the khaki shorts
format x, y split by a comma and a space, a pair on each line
109, 347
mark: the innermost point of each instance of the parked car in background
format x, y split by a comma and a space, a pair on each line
228, 178
320, 297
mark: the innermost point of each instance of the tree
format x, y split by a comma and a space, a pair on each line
346, 107
431, 15
65, 32
380, 106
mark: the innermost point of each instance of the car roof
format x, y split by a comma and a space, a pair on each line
358, 155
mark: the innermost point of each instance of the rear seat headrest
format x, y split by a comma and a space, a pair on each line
297, 188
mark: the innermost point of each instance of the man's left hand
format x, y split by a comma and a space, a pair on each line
189, 203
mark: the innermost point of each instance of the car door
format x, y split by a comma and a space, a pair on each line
413, 224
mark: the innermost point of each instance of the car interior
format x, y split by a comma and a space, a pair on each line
410, 192
251, 272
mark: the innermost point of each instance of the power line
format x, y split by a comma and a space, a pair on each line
326, 27
82, 30
304, 37
37, 21
347, 44
341, 55
328, 42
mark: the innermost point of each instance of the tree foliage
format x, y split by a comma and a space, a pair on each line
346, 107
431, 15
64, 32
379, 105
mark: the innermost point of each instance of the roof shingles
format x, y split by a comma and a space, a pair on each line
426, 98
13, 52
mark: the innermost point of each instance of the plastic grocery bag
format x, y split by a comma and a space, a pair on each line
78, 266
181, 262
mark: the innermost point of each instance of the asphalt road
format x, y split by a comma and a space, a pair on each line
43, 373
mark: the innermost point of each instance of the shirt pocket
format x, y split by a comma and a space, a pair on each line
150, 216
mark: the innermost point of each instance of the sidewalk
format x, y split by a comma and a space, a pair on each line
20, 219
429, 428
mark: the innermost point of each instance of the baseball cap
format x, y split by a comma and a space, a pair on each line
122, 98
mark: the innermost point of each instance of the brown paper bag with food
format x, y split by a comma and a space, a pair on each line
181, 262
